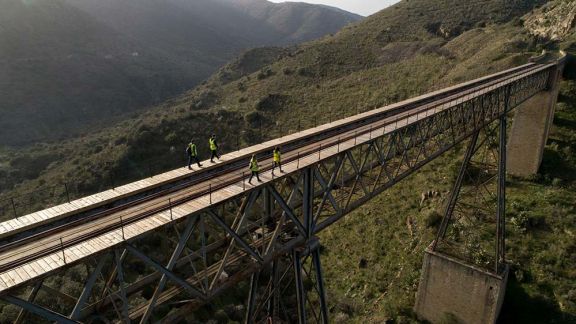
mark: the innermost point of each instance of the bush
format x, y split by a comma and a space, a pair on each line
304, 72
265, 73
171, 138
433, 219
271, 102
254, 119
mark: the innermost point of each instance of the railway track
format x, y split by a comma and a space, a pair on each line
36, 244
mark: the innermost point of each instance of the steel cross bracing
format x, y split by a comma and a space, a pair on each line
268, 231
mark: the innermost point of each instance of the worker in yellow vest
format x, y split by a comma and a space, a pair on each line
213, 148
254, 168
277, 159
192, 153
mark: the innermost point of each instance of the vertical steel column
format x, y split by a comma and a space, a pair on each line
252, 298
307, 200
268, 209
454, 193
501, 213
300, 292
120, 277
320, 282
275, 285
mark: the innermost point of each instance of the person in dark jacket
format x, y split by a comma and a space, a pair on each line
213, 148
192, 152
277, 159
254, 168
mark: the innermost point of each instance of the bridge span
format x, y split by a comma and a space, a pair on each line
182, 238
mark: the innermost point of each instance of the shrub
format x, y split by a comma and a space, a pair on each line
272, 102
171, 138
433, 219
254, 119
265, 73
304, 72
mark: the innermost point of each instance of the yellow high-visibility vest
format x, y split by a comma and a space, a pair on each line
193, 150
276, 155
254, 165
213, 146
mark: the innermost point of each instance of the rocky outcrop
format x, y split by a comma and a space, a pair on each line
553, 21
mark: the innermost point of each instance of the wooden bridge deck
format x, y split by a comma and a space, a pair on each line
38, 267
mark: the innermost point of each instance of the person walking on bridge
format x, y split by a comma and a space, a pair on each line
254, 168
277, 160
192, 153
213, 148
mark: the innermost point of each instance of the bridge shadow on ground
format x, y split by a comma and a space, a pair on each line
520, 307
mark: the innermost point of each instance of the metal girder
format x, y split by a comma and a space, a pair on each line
456, 190
193, 291
501, 193
22, 315
299, 204
252, 298
87, 290
484, 185
236, 237
184, 237
320, 283
38, 310
300, 292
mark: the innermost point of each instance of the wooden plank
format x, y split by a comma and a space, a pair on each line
60, 209
37, 268
78, 204
9, 225
15, 276
7, 278
100, 243
29, 270
44, 265
44, 215
76, 251
50, 212
21, 222
32, 219
22, 275
3, 285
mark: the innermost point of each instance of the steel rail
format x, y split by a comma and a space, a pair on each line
310, 149
204, 174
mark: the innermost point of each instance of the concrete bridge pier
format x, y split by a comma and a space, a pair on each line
530, 128
450, 288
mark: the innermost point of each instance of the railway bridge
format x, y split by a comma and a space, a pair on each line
160, 248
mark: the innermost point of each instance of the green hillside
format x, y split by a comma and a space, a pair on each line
411, 48
271, 91
70, 67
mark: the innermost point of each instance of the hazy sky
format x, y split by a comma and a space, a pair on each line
363, 7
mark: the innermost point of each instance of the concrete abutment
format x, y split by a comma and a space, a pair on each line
530, 128
449, 287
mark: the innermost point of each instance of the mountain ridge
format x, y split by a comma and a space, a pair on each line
270, 92
132, 55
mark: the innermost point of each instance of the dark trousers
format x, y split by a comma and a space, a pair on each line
193, 159
214, 155
254, 173
276, 164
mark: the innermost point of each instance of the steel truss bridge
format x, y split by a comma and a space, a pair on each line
160, 248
